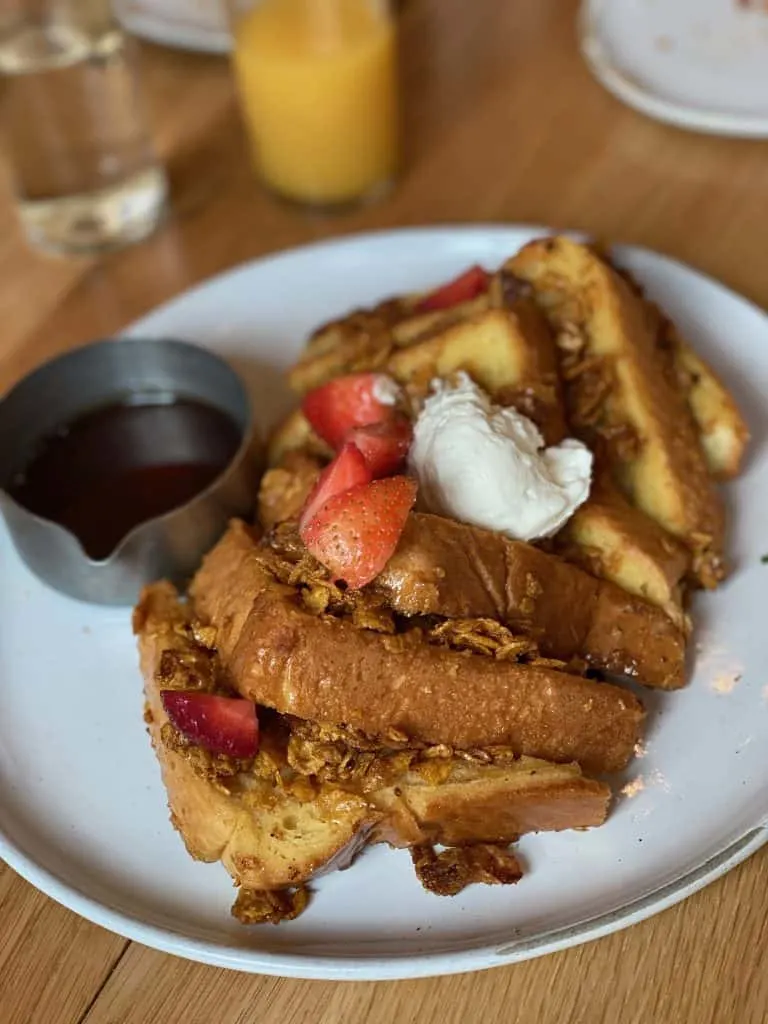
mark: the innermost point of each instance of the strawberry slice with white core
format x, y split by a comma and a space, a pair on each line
466, 286
224, 725
348, 469
384, 445
356, 532
347, 402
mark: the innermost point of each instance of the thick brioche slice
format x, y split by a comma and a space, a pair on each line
723, 431
265, 835
323, 668
273, 828
488, 803
508, 350
443, 567
616, 541
364, 339
619, 390
606, 536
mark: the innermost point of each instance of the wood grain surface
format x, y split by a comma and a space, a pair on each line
503, 124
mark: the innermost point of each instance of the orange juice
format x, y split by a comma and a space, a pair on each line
318, 85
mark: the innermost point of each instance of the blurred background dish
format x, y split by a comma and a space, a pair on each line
698, 64
187, 24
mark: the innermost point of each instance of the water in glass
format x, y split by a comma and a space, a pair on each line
85, 172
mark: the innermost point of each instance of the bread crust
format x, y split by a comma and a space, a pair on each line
271, 836
223, 819
619, 382
328, 670
443, 567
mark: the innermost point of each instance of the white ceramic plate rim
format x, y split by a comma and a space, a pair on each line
603, 67
336, 966
376, 968
177, 34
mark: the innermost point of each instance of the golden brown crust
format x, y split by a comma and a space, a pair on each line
284, 488
442, 567
227, 819
723, 430
365, 338
260, 906
616, 541
508, 350
448, 872
620, 391
274, 829
277, 653
496, 803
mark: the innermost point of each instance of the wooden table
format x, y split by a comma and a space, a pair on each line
504, 124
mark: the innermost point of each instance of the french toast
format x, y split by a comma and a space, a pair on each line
240, 818
280, 654
619, 393
508, 351
365, 338
309, 801
613, 540
506, 346
379, 674
723, 431
442, 567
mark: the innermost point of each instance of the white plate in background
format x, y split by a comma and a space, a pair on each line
82, 809
697, 64
187, 24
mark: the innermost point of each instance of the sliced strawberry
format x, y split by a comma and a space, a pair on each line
349, 469
356, 400
384, 445
225, 725
466, 286
355, 533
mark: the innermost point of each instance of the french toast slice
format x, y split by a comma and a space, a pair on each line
443, 567
613, 540
507, 350
723, 430
454, 570
266, 835
606, 536
284, 488
308, 802
364, 339
506, 347
279, 653
619, 393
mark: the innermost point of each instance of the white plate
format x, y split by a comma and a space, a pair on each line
698, 64
186, 24
82, 810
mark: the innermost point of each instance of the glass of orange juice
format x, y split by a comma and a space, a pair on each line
318, 86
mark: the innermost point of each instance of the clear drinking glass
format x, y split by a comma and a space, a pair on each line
85, 172
318, 87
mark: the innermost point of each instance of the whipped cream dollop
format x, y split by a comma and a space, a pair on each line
487, 465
